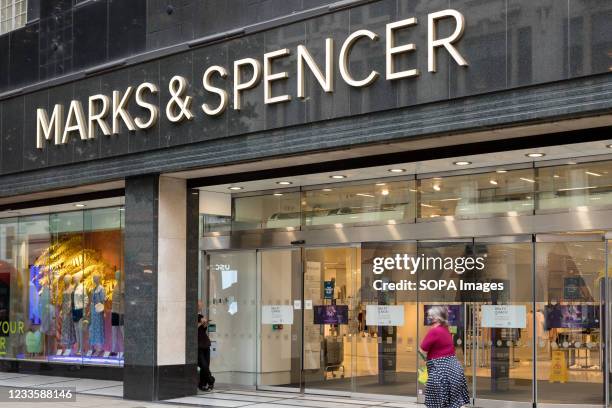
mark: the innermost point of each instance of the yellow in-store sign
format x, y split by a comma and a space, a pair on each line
558, 368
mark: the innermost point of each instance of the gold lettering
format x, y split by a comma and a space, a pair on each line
210, 88
46, 129
75, 121
240, 86
119, 110
326, 81
433, 43
153, 109
98, 117
344, 59
392, 50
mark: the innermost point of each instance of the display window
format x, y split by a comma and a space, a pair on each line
62, 290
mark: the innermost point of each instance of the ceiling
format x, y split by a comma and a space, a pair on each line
553, 155
80, 205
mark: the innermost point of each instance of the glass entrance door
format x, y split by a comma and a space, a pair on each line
455, 300
492, 336
570, 295
232, 313
386, 340
501, 323
280, 328
331, 275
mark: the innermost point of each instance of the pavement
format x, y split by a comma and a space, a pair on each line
101, 393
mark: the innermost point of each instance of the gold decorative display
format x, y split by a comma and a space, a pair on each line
69, 257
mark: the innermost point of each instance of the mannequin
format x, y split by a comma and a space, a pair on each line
79, 300
68, 336
117, 312
96, 312
46, 311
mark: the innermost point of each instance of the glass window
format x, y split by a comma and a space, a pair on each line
278, 210
60, 287
232, 313
374, 202
569, 332
32, 313
9, 256
12, 14
215, 211
388, 365
103, 259
477, 194
571, 186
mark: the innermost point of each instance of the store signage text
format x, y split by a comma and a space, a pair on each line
109, 113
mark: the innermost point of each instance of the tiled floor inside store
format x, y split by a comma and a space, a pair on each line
99, 393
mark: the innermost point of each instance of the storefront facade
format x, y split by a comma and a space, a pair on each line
266, 166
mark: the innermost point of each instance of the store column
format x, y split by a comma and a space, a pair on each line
158, 361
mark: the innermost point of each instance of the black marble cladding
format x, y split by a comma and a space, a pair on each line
143, 378
191, 310
140, 338
508, 44
175, 381
62, 370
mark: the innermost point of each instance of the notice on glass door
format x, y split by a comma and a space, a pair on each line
384, 315
504, 316
277, 314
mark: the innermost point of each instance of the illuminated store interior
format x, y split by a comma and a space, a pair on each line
286, 274
62, 290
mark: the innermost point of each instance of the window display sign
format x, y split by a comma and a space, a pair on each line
328, 289
573, 288
504, 316
571, 316
331, 314
384, 315
277, 314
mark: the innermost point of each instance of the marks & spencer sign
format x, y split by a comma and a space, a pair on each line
109, 113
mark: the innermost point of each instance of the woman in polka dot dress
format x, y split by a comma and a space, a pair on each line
446, 385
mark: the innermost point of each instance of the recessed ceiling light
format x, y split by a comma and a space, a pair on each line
500, 171
397, 170
527, 180
381, 184
556, 176
337, 176
385, 192
327, 190
436, 187
535, 155
592, 173
462, 163
80, 205
278, 194
609, 146
235, 188
284, 183
494, 182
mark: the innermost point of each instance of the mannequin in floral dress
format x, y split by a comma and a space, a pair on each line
68, 335
96, 310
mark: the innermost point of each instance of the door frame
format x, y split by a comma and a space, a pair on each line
605, 237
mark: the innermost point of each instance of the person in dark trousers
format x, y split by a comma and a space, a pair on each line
207, 381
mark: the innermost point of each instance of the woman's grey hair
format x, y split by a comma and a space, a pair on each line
438, 314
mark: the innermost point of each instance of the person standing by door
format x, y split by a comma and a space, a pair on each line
207, 381
446, 384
